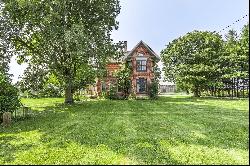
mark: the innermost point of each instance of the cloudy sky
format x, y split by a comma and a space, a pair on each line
158, 22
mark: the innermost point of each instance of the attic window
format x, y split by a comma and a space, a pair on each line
140, 54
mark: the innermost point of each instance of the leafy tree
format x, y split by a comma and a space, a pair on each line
64, 37
52, 87
9, 100
39, 82
191, 61
244, 39
33, 80
5, 45
230, 60
236, 56
244, 44
230, 55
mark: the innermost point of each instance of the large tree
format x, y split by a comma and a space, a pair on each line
244, 44
64, 37
5, 44
236, 55
191, 61
9, 100
229, 60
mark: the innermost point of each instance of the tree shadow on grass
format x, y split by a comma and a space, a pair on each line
6, 147
9, 147
136, 128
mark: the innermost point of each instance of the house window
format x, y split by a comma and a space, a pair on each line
113, 84
141, 85
141, 65
103, 87
129, 64
119, 87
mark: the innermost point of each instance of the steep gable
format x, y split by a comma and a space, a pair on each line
143, 44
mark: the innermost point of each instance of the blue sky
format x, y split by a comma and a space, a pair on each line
158, 22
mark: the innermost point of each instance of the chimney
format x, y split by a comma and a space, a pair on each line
125, 46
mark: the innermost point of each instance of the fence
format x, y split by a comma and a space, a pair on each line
22, 112
167, 88
234, 87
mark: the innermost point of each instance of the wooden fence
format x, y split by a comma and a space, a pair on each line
235, 87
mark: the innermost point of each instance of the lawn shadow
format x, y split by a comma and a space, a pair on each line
9, 148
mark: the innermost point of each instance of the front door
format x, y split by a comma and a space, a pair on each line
141, 85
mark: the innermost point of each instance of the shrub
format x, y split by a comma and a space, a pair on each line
93, 97
132, 96
112, 94
103, 95
153, 90
77, 96
124, 81
9, 100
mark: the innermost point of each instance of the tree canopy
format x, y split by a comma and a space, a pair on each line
5, 44
68, 38
191, 60
9, 99
201, 59
236, 57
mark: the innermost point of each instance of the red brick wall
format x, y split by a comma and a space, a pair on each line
146, 75
112, 67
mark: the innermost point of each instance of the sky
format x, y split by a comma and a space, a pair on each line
158, 22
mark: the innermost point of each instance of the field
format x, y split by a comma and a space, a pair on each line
171, 130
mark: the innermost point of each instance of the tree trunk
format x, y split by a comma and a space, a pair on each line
196, 92
68, 94
6, 119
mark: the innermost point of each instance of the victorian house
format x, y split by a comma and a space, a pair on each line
142, 60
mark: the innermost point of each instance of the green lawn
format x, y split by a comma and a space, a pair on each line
171, 130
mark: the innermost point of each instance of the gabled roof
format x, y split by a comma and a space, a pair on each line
128, 54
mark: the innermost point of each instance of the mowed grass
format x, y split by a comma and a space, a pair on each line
171, 130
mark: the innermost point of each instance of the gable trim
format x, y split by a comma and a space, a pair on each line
146, 46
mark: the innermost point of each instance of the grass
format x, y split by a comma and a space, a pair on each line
171, 130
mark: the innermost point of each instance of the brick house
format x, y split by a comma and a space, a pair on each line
141, 59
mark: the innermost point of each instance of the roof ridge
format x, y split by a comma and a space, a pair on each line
147, 46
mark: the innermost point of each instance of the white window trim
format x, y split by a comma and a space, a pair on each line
142, 58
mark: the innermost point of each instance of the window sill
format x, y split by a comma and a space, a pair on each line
142, 71
141, 92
